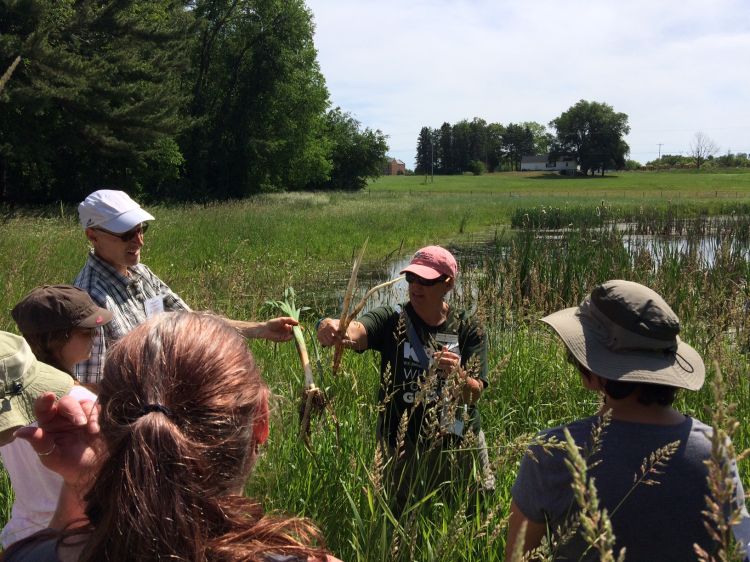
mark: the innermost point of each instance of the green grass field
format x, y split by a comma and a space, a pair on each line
675, 185
232, 257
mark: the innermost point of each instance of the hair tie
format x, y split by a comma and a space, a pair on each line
148, 408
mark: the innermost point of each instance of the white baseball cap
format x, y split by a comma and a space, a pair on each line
111, 210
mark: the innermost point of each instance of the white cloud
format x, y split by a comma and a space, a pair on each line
675, 67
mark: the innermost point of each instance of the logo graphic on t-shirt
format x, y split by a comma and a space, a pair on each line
409, 353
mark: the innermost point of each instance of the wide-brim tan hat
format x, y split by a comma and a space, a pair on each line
624, 331
22, 380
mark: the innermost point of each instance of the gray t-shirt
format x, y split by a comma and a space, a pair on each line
655, 522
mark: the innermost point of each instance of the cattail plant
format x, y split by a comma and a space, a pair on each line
313, 400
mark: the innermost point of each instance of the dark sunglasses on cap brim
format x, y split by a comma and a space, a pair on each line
414, 278
129, 235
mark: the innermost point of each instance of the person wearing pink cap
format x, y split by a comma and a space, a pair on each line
433, 369
115, 226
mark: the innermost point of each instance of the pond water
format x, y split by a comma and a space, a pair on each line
471, 254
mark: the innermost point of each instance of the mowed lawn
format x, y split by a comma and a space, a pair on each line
677, 184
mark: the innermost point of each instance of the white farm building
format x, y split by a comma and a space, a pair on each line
542, 163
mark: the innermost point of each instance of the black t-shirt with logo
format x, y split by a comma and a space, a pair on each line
402, 377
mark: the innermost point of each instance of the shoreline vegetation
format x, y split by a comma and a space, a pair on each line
233, 257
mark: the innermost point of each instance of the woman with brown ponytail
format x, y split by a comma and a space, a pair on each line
181, 413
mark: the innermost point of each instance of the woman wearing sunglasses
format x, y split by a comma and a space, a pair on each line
433, 369
116, 279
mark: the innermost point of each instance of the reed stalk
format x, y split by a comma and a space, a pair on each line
343, 324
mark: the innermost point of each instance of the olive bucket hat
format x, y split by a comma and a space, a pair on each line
22, 380
624, 331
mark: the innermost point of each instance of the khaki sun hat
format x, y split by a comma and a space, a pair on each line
624, 331
22, 380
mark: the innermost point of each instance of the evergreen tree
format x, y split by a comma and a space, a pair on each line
98, 84
445, 152
425, 151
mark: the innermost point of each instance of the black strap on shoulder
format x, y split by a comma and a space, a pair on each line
414, 340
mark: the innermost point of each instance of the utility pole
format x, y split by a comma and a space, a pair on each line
660, 145
432, 160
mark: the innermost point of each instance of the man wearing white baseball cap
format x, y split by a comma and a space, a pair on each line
623, 340
115, 226
433, 366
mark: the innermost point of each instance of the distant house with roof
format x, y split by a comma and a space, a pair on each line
544, 163
394, 167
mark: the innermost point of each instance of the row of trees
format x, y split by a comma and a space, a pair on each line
591, 132
679, 161
701, 154
472, 146
183, 99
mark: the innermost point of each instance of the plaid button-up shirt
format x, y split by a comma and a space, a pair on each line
125, 297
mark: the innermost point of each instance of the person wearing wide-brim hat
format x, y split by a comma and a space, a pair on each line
624, 342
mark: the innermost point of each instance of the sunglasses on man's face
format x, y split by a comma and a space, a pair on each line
414, 278
130, 234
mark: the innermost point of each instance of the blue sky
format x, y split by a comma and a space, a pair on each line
675, 67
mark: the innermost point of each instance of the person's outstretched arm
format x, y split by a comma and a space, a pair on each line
276, 329
355, 337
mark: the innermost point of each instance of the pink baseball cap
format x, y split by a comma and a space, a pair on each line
431, 262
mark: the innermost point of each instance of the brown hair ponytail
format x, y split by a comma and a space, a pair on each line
180, 397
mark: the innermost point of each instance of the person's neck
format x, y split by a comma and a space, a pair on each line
434, 315
630, 410
121, 269
70, 552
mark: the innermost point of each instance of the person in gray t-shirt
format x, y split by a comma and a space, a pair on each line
623, 340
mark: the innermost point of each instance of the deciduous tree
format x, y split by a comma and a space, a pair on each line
356, 154
518, 140
594, 133
702, 148
258, 100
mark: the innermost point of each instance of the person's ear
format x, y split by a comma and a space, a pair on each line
91, 235
261, 424
590, 380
